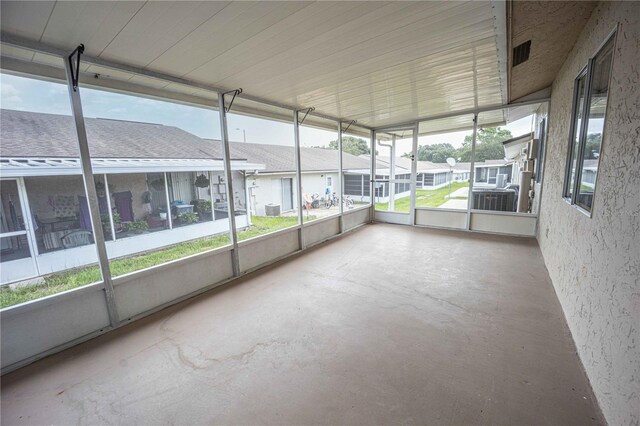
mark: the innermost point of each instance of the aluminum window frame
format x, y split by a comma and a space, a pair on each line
584, 73
587, 71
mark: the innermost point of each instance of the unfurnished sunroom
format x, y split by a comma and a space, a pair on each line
319, 212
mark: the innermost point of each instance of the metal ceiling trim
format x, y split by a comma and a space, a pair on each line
499, 12
464, 112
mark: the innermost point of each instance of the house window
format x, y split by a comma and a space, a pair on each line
589, 113
330, 181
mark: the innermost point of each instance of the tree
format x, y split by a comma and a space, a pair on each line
436, 153
592, 148
488, 146
352, 145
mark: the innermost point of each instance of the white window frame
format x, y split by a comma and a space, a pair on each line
329, 180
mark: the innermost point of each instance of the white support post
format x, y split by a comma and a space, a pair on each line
340, 179
231, 210
212, 201
472, 175
90, 189
414, 169
166, 194
296, 134
372, 176
108, 196
392, 175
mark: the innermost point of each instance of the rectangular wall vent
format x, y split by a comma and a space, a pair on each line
521, 53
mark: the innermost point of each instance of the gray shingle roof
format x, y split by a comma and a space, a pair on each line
494, 162
405, 163
281, 158
39, 135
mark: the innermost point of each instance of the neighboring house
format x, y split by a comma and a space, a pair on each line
497, 183
589, 172
486, 172
428, 175
516, 149
150, 180
276, 184
462, 172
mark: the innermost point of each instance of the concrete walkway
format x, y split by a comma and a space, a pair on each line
387, 325
460, 193
457, 204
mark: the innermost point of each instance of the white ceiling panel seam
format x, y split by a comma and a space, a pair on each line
315, 46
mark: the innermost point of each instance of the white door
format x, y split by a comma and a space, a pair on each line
395, 175
17, 257
287, 194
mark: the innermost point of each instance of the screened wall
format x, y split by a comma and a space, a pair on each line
179, 205
160, 198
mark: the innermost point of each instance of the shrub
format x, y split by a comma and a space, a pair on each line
204, 206
137, 226
188, 217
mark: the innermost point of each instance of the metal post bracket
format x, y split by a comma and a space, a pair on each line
75, 71
235, 92
349, 125
307, 111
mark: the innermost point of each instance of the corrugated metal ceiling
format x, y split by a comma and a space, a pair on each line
377, 62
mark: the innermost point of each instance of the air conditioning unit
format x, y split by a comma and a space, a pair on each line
272, 210
497, 200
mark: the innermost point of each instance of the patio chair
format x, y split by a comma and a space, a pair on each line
76, 238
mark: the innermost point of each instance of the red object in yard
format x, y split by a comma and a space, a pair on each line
156, 222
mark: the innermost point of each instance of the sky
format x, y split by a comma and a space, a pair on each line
27, 94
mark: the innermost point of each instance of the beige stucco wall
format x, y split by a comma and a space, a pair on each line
595, 262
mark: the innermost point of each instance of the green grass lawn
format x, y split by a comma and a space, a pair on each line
58, 282
425, 198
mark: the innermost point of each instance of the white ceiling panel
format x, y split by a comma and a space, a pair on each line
157, 27
335, 63
304, 32
232, 25
378, 62
93, 24
25, 18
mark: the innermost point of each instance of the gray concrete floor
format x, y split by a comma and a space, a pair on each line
389, 324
